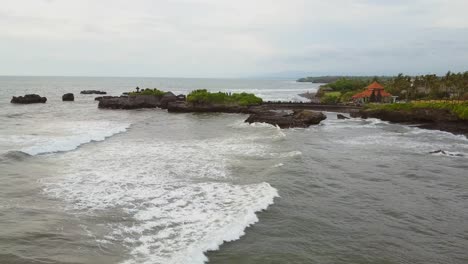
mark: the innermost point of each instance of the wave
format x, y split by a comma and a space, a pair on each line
77, 134
178, 194
14, 155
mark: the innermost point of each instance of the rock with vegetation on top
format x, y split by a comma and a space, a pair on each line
92, 92
28, 99
68, 97
298, 118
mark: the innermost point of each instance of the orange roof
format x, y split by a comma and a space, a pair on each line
374, 85
369, 89
368, 93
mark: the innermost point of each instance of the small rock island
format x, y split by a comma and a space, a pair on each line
28, 99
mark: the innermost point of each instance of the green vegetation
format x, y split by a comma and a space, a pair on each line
424, 87
429, 86
203, 96
330, 98
148, 91
458, 108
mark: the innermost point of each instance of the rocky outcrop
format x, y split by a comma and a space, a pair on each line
188, 107
298, 118
428, 118
130, 102
92, 92
99, 98
340, 116
416, 115
181, 97
68, 97
166, 99
28, 99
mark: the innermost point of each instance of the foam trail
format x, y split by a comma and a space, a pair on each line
181, 203
76, 135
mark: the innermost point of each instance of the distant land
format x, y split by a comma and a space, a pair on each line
334, 78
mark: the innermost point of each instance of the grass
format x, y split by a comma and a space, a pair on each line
460, 109
203, 96
148, 91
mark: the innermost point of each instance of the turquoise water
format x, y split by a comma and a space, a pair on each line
83, 185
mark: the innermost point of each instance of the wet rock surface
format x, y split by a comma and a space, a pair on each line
298, 118
28, 99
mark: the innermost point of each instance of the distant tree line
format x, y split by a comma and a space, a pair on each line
451, 86
429, 86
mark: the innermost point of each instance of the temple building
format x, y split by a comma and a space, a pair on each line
374, 93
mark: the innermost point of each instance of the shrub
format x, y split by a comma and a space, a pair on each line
330, 98
148, 91
203, 96
459, 109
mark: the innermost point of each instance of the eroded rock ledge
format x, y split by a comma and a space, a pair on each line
439, 119
298, 118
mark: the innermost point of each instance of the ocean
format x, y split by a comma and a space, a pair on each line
82, 185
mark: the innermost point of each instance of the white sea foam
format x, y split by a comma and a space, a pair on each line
66, 136
177, 192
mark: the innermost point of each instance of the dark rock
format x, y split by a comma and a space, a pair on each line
428, 118
130, 102
166, 99
412, 116
446, 153
92, 92
188, 107
68, 97
340, 116
299, 118
99, 98
28, 99
181, 97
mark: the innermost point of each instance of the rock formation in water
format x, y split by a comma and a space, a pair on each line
428, 118
166, 99
340, 116
68, 97
28, 99
298, 118
188, 107
136, 101
92, 92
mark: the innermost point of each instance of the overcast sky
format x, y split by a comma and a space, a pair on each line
237, 38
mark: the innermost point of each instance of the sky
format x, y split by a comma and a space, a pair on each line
232, 39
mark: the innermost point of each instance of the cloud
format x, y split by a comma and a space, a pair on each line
214, 38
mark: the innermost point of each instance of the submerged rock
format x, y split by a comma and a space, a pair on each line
28, 99
92, 92
298, 118
68, 97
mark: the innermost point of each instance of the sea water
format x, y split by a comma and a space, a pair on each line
86, 185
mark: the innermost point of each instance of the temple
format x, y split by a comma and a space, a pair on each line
374, 93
